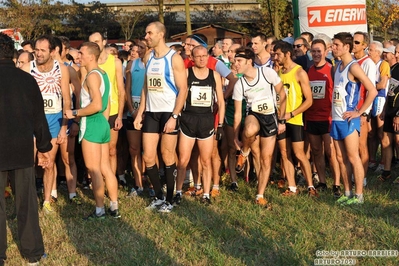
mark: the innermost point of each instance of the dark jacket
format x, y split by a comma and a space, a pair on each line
21, 118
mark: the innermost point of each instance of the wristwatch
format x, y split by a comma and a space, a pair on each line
364, 114
174, 116
74, 112
397, 113
281, 121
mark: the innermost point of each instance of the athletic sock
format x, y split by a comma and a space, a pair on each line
292, 189
100, 211
197, 186
153, 174
178, 192
72, 195
215, 187
54, 193
170, 173
348, 194
259, 196
113, 205
205, 195
386, 173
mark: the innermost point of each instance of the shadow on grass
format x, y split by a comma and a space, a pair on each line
110, 241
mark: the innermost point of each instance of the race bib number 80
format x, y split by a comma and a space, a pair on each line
52, 103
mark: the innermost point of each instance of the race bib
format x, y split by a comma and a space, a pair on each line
136, 102
393, 84
201, 96
52, 103
263, 106
155, 83
337, 98
318, 88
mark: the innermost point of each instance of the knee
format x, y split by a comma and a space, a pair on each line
134, 151
112, 151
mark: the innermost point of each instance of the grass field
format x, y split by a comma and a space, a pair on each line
232, 231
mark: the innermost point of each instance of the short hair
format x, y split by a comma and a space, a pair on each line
261, 36
316, 41
219, 43
177, 47
378, 45
246, 53
50, 39
28, 42
198, 47
123, 55
103, 37
394, 41
30, 55
65, 41
6, 46
327, 40
58, 43
309, 35
114, 45
285, 47
366, 38
305, 42
345, 38
93, 48
160, 27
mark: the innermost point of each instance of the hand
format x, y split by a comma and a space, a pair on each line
170, 125
219, 132
281, 128
68, 114
62, 136
118, 124
396, 124
238, 144
73, 130
138, 122
44, 160
350, 115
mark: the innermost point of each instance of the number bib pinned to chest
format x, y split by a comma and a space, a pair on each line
318, 89
201, 96
155, 83
263, 106
52, 103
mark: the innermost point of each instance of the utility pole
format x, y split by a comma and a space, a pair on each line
188, 18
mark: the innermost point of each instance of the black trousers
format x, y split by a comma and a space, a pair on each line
29, 233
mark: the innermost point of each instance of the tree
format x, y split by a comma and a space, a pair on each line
34, 18
382, 14
86, 19
129, 20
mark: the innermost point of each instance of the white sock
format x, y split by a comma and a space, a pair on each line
293, 189
205, 196
113, 205
215, 187
258, 196
72, 195
54, 193
100, 211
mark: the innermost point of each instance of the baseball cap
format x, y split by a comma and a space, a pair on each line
390, 49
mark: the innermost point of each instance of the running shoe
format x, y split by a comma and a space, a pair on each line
75, 200
289, 193
155, 204
215, 193
166, 207
383, 178
94, 216
151, 192
177, 199
47, 208
233, 187
261, 201
133, 193
396, 181
312, 192
379, 168
53, 199
205, 201
342, 199
192, 191
281, 183
337, 191
353, 201
114, 214
241, 160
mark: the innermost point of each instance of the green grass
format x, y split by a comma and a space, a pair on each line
232, 231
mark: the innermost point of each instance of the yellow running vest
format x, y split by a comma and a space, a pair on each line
110, 68
294, 94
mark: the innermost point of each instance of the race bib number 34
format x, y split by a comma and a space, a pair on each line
201, 96
318, 89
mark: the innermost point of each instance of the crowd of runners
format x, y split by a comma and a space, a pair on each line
306, 105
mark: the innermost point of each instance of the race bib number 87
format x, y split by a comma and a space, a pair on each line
318, 89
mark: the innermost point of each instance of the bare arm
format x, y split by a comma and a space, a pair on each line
92, 84
128, 90
220, 98
232, 81
303, 79
179, 72
121, 93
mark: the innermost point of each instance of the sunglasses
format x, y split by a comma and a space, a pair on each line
297, 45
357, 42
